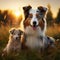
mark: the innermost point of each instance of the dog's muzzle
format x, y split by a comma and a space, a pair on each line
17, 38
34, 25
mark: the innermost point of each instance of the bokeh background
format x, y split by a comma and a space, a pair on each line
11, 15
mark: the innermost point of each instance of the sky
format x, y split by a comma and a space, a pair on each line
16, 4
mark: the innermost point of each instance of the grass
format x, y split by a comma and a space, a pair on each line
54, 31
51, 54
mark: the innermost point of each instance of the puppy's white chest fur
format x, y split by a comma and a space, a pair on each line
33, 37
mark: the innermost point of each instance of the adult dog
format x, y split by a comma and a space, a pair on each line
35, 27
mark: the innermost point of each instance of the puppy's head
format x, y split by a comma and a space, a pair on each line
34, 17
16, 33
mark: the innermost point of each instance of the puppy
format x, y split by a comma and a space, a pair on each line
14, 43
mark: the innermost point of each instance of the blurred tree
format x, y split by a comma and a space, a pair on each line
19, 19
49, 16
10, 18
1, 17
58, 17
5, 16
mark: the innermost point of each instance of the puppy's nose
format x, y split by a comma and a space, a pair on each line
34, 23
17, 38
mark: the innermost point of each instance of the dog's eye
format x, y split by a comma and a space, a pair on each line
30, 16
38, 16
13, 33
37, 11
41, 13
19, 34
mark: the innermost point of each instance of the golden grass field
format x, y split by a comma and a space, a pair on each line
51, 54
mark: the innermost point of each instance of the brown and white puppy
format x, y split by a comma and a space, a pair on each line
35, 26
14, 43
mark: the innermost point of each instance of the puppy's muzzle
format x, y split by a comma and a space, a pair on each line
17, 38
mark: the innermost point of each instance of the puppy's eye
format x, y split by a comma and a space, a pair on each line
18, 34
13, 33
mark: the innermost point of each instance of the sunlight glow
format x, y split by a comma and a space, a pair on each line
54, 15
17, 13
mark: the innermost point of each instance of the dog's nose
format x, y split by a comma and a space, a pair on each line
34, 23
17, 38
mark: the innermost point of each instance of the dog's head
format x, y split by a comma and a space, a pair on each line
34, 17
16, 33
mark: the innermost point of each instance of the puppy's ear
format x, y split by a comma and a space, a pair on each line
26, 10
21, 32
42, 10
11, 31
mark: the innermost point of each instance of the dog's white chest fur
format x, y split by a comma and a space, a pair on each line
34, 42
33, 37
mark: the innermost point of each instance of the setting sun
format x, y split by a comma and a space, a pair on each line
17, 13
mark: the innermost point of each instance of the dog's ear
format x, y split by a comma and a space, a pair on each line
20, 31
11, 31
26, 10
42, 10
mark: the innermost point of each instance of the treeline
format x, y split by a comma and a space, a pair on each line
7, 18
50, 20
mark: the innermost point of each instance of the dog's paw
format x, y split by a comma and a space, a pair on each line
4, 53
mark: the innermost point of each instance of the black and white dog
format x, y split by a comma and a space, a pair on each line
35, 27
